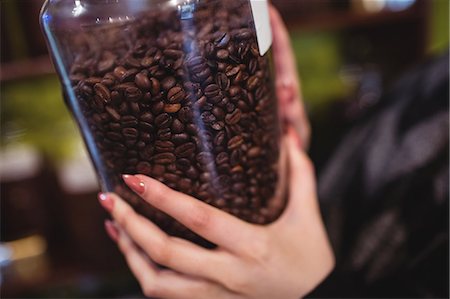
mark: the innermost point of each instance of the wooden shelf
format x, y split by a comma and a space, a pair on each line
349, 20
41, 65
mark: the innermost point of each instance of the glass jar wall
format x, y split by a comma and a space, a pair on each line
176, 90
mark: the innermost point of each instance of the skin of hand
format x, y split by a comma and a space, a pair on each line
285, 259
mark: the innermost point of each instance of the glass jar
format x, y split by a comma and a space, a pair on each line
181, 91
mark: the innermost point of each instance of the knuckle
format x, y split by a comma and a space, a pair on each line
259, 249
157, 193
199, 218
238, 283
162, 254
150, 289
124, 217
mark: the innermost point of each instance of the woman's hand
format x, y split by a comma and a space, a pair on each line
285, 259
287, 83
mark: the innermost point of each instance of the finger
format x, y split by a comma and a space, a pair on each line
302, 185
164, 283
207, 221
287, 82
179, 255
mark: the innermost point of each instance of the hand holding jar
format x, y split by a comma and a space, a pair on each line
284, 259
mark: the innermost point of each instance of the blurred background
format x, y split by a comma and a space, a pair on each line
52, 239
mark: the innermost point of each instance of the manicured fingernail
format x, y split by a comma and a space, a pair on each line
106, 201
134, 183
112, 230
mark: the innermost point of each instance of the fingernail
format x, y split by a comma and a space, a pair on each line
106, 201
112, 230
134, 183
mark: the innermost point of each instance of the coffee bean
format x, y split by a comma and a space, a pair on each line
168, 82
185, 114
180, 138
254, 152
222, 81
253, 82
144, 167
175, 94
129, 121
142, 81
177, 126
172, 108
222, 54
133, 93
243, 34
164, 146
235, 142
217, 125
233, 117
130, 133
103, 92
164, 134
113, 113
147, 117
163, 120
219, 138
164, 158
157, 108
185, 150
222, 158
155, 86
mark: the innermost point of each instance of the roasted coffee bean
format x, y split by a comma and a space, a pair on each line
253, 82
129, 121
183, 164
180, 138
254, 152
133, 93
172, 108
175, 94
233, 117
164, 134
185, 114
243, 34
163, 120
157, 108
212, 90
177, 126
142, 81
113, 113
146, 117
222, 158
219, 138
164, 146
130, 133
235, 142
155, 86
217, 125
168, 83
144, 167
222, 54
164, 158
103, 92
185, 150
222, 81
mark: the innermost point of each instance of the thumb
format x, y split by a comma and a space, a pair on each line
302, 182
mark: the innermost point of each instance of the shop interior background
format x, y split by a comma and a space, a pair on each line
52, 239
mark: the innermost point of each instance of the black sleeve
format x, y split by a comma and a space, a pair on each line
384, 194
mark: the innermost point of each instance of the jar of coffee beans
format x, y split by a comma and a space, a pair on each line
181, 91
